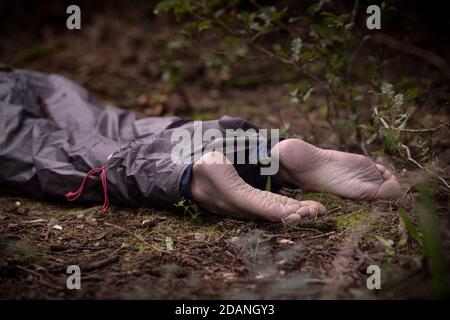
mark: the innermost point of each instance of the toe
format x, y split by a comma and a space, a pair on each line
303, 211
389, 189
292, 219
311, 203
319, 208
381, 168
313, 207
313, 211
387, 174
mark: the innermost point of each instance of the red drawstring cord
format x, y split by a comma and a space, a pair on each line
105, 191
72, 196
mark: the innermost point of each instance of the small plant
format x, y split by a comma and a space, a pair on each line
387, 245
268, 184
427, 235
410, 227
390, 127
434, 251
190, 209
169, 243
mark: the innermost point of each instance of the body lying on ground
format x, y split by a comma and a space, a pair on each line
56, 142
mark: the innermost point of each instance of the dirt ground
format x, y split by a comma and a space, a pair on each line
148, 253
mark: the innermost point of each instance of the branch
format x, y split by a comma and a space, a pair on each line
411, 159
408, 48
425, 130
408, 154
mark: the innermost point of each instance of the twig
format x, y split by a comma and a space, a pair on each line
411, 159
354, 11
137, 236
39, 276
383, 122
323, 235
425, 130
335, 209
99, 264
89, 266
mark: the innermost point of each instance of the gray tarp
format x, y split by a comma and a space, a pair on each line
52, 133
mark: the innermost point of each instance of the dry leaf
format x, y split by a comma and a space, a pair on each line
285, 241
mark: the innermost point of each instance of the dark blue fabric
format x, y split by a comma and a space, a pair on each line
250, 173
185, 184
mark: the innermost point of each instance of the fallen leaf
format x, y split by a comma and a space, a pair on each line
57, 227
169, 243
199, 236
285, 241
228, 276
90, 220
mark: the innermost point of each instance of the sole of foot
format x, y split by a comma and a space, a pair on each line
344, 174
217, 187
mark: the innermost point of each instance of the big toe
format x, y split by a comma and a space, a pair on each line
389, 189
312, 208
294, 213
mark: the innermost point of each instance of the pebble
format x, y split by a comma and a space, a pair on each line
90, 220
148, 223
199, 236
285, 241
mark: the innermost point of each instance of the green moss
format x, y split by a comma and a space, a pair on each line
352, 220
22, 251
328, 200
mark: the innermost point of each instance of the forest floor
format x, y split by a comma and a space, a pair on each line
179, 256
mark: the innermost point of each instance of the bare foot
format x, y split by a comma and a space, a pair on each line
217, 187
345, 174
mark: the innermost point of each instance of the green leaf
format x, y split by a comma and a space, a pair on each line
410, 227
190, 28
207, 24
387, 246
296, 46
268, 184
371, 138
412, 93
169, 243
308, 56
434, 249
164, 6
387, 89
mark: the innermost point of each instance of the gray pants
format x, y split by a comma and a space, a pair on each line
52, 133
